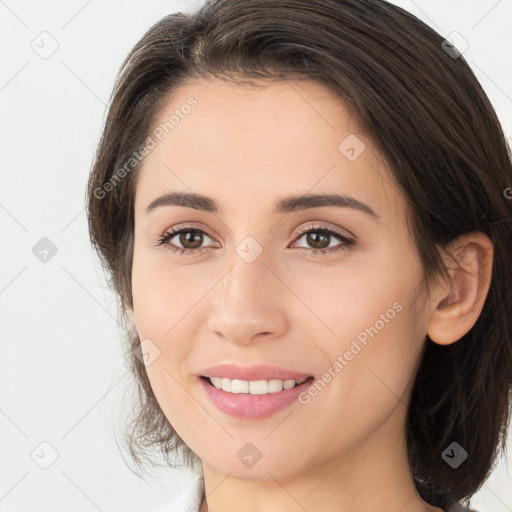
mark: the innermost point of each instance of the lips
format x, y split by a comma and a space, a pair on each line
249, 406
253, 373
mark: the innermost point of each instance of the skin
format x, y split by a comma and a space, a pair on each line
248, 147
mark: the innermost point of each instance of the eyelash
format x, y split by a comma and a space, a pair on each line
347, 244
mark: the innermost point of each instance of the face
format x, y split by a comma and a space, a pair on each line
327, 289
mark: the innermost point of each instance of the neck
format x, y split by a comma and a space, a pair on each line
372, 475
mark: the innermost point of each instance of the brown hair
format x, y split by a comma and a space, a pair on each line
427, 114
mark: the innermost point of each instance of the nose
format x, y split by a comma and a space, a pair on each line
249, 303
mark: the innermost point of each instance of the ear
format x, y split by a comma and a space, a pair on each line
456, 307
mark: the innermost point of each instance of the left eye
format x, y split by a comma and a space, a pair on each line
317, 237
191, 240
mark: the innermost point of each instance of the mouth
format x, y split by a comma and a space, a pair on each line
254, 387
254, 399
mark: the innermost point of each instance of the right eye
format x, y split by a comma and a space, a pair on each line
189, 237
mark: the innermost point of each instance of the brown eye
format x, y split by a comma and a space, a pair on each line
318, 240
184, 240
191, 239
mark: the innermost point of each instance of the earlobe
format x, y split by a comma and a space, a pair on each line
456, 307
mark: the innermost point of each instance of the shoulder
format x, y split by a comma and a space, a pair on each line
189, 500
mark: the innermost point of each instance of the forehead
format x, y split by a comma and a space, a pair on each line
241, 144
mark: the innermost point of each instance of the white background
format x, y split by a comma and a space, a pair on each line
62, 378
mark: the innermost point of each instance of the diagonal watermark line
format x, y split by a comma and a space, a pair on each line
199, 403
13, 279
14, 76
92, 296
506, 504
13, 218
426, 16
204, 295
286, 490
81, 491
214, 489
300, 299
83, 83
279, 423
14, 424
209, 83
72, 220
97, 402
76, 14
314, 185
486, 14
167, 167
5, 5
14, 485
399, 398
401, 508
491, 80
289, 83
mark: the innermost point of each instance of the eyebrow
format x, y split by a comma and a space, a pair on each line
285, 205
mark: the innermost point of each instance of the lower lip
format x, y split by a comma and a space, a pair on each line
243, 405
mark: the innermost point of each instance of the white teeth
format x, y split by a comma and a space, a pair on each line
239, 386
226, 384
216, 381
253, 387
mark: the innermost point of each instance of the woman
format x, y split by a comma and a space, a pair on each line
302, 206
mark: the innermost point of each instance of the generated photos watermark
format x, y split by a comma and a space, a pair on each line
151, 142
344, 359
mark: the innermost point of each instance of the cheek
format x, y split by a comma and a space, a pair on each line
364, 382
161, 297
162, 313
373, 344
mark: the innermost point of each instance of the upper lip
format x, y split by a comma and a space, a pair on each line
257, 372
